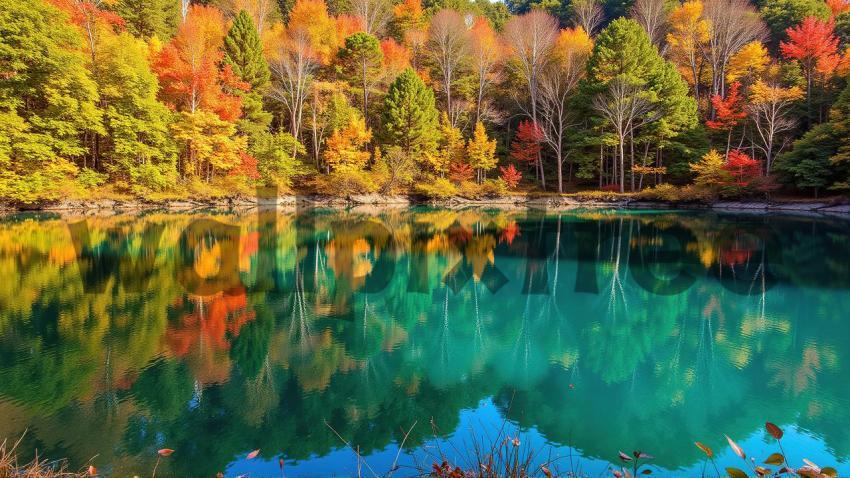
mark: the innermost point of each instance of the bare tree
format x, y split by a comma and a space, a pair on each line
373, 13
486, 55
732, 24
652, 16
448, 48
588, 14
293, 75
261, 11
770, 117
556, 87
531, 38
184, 9
626, 107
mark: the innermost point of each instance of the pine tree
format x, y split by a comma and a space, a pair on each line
149, 18
243, 51
361, 58
410, 117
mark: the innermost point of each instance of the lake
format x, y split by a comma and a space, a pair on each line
581, 333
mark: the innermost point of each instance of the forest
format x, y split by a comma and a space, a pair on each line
438, 98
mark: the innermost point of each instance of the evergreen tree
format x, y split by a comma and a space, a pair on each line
410, 117
822, 156
149, 18
361, 58
243, 51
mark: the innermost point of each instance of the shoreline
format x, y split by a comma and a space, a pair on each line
548, 202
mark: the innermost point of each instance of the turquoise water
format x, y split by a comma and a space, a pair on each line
293, 332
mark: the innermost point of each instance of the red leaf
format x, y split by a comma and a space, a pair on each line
774, 430
253, 454
165, 452
737, 449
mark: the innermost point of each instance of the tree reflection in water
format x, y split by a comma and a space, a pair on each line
372, 321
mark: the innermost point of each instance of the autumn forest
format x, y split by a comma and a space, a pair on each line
437, 98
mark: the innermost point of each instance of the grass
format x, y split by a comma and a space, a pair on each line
37, 468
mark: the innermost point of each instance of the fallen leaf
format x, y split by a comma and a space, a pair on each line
625, 457
738, 451
253, 454
775, 459
92, 471
774, 430
705, 449
165, 452
736, 473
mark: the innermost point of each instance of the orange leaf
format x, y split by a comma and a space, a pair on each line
92, 471
705, 449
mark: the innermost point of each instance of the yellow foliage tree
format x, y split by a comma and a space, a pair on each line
688, 33
481, 151
312, 16
709, 170
451, 148
748, 62
345, 149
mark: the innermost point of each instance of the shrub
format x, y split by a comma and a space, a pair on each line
437, 188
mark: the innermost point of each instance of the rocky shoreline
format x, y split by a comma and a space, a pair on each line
506, 202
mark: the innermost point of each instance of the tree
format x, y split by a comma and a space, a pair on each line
689, 32
748, 63
743, 169
732, 24
652, 15
587, 14
649, 97
276, 162
769, 108
780, 15
710, 171
261, 12
729, 112
210, 143
486, 55
310, 22
48, 101
481, 152
361, 58
188, 67
448, 48
137, 146
345, 149
373, 13
149, 18
625, 108
531, 38
526, 146
811, 43
293, 69
451, 149
243, 52
409, 116
560, 79
510, 176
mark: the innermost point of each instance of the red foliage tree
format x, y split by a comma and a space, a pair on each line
813, 43
527, 142
247, 166
744, 170
510, 176
728, 112
460, 172
189, 67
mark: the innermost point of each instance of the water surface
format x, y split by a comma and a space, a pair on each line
584, 333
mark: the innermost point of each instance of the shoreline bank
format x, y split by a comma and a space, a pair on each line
548, 202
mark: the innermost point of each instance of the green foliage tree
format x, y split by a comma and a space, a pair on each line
410, 117
361, 60
48, 100
781, 14
138, 148
243, 51
821, 158
149, 18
